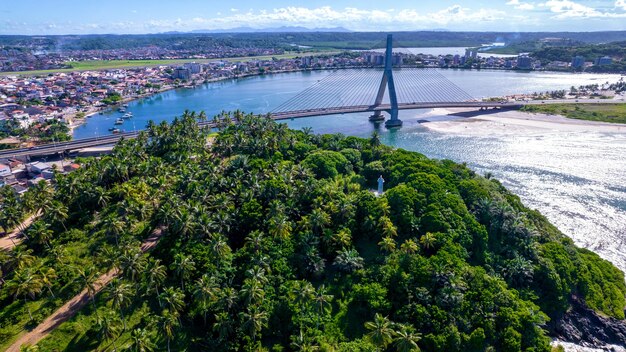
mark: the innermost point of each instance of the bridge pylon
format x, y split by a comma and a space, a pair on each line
387, 81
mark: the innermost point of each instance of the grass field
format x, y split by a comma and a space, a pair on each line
615, 113
95, 65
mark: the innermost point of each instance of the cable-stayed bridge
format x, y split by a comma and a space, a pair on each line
365, 90
344, 91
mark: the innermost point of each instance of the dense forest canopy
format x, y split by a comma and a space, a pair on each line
272, 239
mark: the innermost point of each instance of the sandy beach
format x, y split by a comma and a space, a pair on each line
508, 122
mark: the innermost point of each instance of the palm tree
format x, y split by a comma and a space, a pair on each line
58, 212
348, 260
141, 341
280, 227
48, 275
108, 325
375, 140
183, 266
251, 292
121, 297
114, 227
220, 247
318, 220
204, 292
302, 293
154, 276
132, 262
380, 331
255, 240
223, 325
168, 323
40, 233
388, 228
406, 339
23, 258
322, 303
173, 299
27, 284
409, 247
428, 241
299, 343
387, 244
88, 276
254, 320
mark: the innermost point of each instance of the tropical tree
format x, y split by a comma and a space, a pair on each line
27, 284
88, 276
348, 260
322, 302
428, 241
205, 292
387, 244
141, 340
409, 247
114, 227
168, 323
154, 276
58, 212
173, 299
132, 262
108, 325
380, 331
251, 292
48, 277
183, 266
405, 339
121, 294
279, 227
223, 325
254, 320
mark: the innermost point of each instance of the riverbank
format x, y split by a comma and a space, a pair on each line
469, 122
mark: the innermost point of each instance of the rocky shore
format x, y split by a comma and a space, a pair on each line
584, 327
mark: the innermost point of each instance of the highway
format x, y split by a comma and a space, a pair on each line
54, 148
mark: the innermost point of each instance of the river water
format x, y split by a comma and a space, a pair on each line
576, 179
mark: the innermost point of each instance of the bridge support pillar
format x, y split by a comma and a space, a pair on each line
394, 121
377, 116
387, 82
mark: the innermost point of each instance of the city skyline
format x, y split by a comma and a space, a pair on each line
31, 17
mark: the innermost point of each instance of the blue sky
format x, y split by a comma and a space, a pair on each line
152, 16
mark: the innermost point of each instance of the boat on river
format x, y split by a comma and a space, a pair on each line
127, 115
119, 121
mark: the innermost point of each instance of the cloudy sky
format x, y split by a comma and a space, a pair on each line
151, 16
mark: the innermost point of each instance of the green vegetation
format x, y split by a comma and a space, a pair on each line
615, 113
95, 65
273, 240
548, 52
49, 131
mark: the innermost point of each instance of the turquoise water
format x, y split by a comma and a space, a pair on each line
576, 179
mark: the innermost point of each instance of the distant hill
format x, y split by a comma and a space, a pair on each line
283, 29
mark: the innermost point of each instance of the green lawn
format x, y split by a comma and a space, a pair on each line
615, 113
94, 65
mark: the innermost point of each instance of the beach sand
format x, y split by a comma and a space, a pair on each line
508, 122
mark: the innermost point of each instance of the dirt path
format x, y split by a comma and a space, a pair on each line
76, 303
12, 239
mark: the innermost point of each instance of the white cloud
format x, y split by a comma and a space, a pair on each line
455, 17
351, 17
521, 5
568, 9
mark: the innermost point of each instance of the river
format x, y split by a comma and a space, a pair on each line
576, 179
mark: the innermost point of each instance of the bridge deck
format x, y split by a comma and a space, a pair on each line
53, 148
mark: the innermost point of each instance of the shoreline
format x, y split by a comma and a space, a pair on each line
470, 122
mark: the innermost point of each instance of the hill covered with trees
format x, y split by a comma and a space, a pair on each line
273, 240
